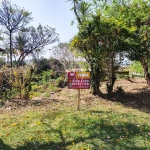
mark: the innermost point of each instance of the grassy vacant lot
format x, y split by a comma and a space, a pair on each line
106, 125
55, 124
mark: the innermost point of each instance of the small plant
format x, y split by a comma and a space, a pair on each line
60, 82
33, 94
52, 88
46, 75
47, 94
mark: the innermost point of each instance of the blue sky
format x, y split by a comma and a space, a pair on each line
55, 13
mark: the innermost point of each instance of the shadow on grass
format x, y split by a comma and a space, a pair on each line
95, 134
140, 100
4, 146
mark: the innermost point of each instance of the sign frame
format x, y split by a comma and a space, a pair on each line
78, 80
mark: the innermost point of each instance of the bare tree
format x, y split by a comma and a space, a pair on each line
12, 18
62, 52
33, 40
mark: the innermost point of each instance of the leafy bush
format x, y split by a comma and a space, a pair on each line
46, 75
57, 67
60, 82
43, 65
16, 81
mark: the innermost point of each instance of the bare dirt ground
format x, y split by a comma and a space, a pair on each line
135, 93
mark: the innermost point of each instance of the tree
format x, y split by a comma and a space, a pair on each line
83, 43
140, 37
12, 18
33, 40
134, 16
99, 41
63, 53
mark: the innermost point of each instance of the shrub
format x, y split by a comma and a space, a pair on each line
52, 64
60, 82
41, 65
16, 81
57, 67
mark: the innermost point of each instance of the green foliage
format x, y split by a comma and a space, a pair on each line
136, 67
46, 76
122, 76
44, 83
99, 41
41, 65
14, 63
16, 81
109, 28
57, 67
6, 94
60, 82
52, 87
25, 84
134, 17
84, 65
53, 65
33, 94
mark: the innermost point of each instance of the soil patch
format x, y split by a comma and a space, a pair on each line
134, 93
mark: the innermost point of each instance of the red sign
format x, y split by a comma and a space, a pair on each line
71, 75
78, 80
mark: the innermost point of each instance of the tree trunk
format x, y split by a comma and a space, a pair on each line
75, 11
111, 84
10, 48
95, 79
112, 79
146, 72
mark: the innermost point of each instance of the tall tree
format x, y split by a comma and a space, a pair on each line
139, 12
12, 18
82, 43
33, 40
134, 16
98, 38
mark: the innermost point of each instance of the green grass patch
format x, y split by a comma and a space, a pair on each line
102, 126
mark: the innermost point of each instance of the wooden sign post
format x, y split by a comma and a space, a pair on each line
78, 80
78, 99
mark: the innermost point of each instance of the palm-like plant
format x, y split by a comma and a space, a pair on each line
81, 9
